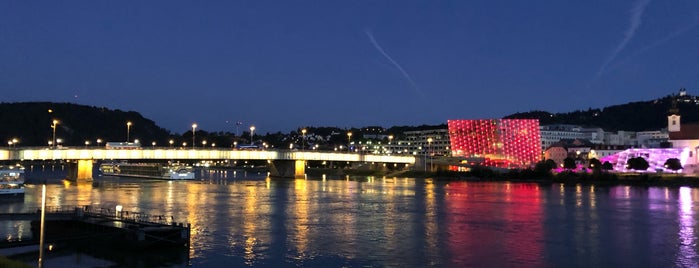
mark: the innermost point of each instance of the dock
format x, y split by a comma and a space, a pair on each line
114, 228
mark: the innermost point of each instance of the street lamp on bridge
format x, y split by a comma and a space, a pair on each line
349, 141
53, 126
194, 128
128, 131
252, 129
303, 138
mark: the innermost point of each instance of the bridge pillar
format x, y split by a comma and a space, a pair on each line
80, 170
287, 168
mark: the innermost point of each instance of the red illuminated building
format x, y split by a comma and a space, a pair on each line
507, 143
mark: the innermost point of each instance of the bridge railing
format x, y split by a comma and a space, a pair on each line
104, 212
196, 154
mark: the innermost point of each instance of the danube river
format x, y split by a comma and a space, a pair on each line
241, 220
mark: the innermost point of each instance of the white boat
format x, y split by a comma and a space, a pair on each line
148, 170
11, 180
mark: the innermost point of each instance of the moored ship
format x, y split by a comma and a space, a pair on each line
148, 170
11, 180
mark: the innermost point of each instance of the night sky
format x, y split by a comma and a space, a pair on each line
280, 65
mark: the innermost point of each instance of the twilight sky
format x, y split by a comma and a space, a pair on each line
280, 65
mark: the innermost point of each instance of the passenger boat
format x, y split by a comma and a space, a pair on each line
11, 180
148, 171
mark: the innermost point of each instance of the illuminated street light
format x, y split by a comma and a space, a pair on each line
171, 142
128, 131
390, 137
303, 138
87, 143
429, 149
252, 129
98, 142
13, 142
194, 128
203, 143
153, 143
55, 123
349, 141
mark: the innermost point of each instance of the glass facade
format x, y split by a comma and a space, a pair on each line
507, 143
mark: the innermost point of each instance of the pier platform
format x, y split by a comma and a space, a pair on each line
100, 225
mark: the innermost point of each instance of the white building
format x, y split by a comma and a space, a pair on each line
432, 141
551, 134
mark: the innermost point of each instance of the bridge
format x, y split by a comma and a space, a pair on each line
283, 163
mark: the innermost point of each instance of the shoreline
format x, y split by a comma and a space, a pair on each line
528, 176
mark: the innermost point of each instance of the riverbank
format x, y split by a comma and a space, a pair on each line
526, 175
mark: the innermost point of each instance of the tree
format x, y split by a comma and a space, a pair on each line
544, 167
569, 163
550, 163
637, 163
674, 164
607, 166
595, 164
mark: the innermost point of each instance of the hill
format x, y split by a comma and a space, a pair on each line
30, 122
634, 116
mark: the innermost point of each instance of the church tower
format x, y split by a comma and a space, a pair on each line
673, 118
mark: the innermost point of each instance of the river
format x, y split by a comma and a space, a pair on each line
241, 220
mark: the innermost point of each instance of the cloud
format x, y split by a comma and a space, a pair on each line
634, 22
398, 66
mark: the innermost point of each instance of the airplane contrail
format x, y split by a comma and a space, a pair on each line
657, 43
400, 68
635, 22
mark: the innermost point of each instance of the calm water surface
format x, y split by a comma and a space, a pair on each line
244, 220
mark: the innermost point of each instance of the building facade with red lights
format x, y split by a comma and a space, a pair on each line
507, 143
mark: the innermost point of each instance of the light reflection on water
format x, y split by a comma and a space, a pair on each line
246, 219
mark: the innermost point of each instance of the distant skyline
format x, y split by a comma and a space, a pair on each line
281, 65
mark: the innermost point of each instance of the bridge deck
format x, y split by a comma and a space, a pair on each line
195, 154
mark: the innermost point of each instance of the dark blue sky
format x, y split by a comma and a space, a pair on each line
282, 64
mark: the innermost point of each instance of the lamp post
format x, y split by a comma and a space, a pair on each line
203, 144
252, 129
303, 138
390, 137
429, 147
53, 141
87, 143
153, 143
349, 141
98, 142
171, 142
194, 128
128, 131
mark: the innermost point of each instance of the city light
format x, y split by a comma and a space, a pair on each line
128, 131
252, 129
194, 129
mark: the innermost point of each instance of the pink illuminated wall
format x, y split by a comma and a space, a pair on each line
656, 158
500, 142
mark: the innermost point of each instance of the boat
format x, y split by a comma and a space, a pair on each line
148, 170
11, 180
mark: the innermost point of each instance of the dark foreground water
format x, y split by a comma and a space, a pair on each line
248, 220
